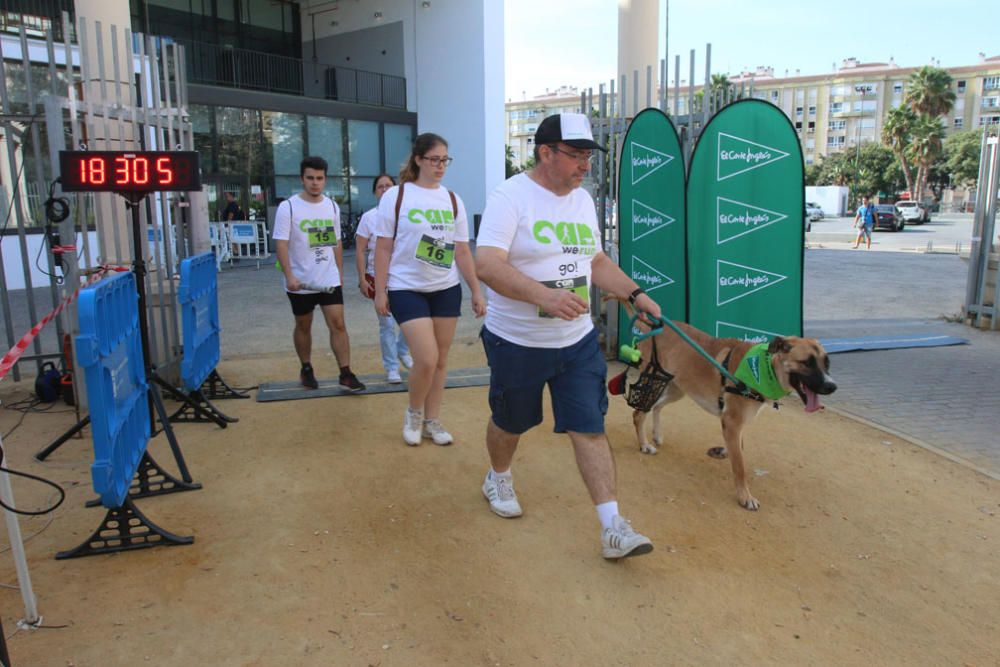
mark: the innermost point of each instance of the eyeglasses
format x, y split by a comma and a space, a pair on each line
582, 158
439, 161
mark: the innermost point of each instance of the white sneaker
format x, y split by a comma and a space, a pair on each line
407, 361
500, 492
412, 426
435, 431
621, 541
393, 377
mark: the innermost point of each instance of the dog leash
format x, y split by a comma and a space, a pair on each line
630, 352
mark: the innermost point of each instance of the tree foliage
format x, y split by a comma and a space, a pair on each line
961, 154
873, 169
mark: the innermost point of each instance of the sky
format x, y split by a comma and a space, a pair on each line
549, 43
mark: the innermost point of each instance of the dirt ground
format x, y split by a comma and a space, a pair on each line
322, 540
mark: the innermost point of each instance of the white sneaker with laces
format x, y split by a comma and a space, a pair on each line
499, 490
435, 431
393, 377
621, 541
407, 361
412, 427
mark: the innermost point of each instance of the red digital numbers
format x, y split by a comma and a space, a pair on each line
131, 171
164, 174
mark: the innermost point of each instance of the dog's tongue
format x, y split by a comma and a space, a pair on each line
812, 400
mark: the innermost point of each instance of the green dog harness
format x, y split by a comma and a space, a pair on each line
757, 373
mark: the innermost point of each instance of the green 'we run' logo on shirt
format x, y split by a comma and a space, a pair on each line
439, 219
576, 238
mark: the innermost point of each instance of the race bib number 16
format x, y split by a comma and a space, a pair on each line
435, 252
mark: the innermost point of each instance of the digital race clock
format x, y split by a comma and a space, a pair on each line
129, 171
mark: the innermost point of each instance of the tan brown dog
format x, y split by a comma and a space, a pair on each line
799, 365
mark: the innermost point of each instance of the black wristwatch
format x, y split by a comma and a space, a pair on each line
636, 292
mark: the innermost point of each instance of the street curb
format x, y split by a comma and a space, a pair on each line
916, 441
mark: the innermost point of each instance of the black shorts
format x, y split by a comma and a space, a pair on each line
303, 304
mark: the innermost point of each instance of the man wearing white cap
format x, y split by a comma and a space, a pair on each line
539, 251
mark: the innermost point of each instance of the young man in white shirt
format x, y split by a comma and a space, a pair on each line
538, 251
307, 242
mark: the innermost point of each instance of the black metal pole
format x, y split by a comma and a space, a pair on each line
139, 270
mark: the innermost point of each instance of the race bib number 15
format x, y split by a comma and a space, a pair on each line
322, 237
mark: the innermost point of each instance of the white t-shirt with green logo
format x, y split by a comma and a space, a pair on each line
549, 238
366, 229
423, 255
313, 232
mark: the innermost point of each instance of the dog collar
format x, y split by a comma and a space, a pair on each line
757, 373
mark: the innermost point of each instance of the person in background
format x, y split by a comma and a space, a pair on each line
864, 220
423, 242
391, 338
307, 242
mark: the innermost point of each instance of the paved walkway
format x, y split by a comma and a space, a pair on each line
944, 397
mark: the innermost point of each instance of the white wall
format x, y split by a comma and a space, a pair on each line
831, 198
454, 77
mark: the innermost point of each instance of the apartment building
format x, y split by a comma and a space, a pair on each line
831, 112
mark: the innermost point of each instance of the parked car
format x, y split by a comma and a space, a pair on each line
913, 212
814, 211
888, 217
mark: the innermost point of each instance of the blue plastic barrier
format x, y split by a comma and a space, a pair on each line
199, 299
109, 349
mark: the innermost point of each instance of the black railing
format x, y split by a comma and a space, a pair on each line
352, 85
215, 65
38, 17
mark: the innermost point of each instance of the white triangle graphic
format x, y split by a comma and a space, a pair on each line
750, 213
649, 223
650, 278
751, 288
658, 160
763, 336
765, 160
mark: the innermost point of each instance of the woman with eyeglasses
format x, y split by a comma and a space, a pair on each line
423, 243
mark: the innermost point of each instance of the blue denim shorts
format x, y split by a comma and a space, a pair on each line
407, 305
576, 376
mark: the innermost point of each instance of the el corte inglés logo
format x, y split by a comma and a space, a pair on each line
738, 155
646, 160
736, 218
749, 334
647, 277
646, 219
736, 281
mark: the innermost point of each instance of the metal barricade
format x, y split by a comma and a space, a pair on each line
218, 236
247, 240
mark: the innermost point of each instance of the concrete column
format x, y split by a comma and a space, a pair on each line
460, 82
638, 39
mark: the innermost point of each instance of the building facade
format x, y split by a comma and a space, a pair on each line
270, 81
831, 112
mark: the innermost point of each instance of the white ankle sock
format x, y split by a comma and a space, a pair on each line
494, 474
606, 512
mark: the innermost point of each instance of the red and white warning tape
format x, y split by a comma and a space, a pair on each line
15, 352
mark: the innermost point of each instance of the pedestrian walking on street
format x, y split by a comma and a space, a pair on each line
864, 220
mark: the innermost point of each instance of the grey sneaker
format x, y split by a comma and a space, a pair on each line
500, 492
435, 431
393, 376
412, 426
621, 541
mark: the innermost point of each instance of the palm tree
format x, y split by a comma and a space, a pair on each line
721, 89
927, 139
929, 91
896, 135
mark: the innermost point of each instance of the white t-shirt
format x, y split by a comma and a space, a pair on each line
312, 232
366, 229
423, 254
550, 239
